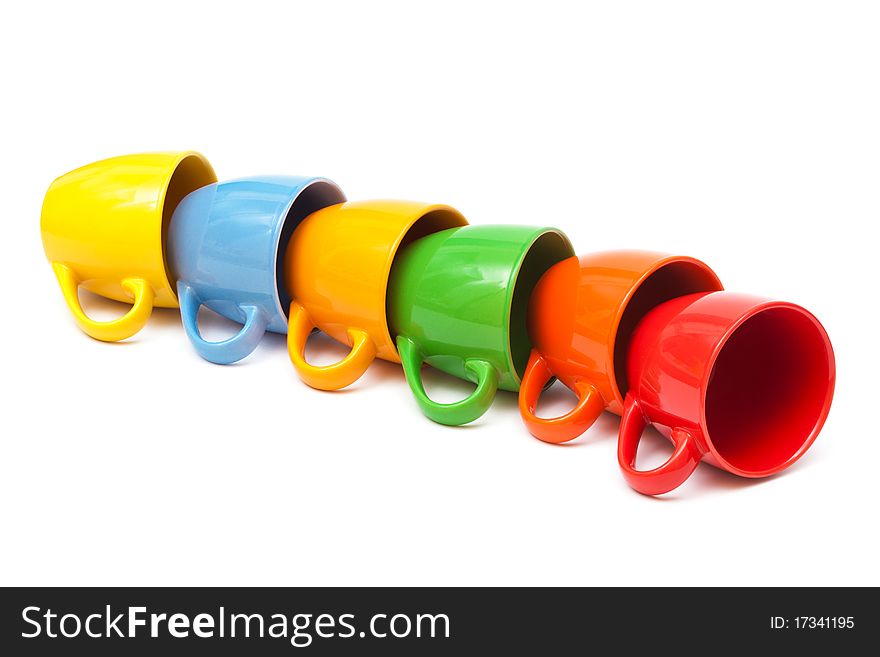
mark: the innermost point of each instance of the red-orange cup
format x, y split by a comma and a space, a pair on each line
581, 318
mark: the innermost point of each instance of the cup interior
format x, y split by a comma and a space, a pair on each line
548, 249
430, 223
191, 173
317, 195
769, 390
669, 281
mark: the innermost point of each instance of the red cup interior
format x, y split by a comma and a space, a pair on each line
769, 390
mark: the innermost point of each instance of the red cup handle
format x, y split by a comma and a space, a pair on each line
565, 427
670, 475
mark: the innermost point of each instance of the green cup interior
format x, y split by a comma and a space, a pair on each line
546, 250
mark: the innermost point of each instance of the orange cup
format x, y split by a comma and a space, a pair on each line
581, 317
336, 269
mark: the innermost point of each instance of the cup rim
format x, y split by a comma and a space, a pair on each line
280, 227
513, 279
663, 260
760, 306
394, 248
278, 249
167, 213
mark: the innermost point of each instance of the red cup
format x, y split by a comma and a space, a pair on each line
741, 382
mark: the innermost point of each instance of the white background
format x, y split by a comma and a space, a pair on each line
746, 134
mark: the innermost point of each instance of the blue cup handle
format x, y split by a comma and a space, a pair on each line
226, 351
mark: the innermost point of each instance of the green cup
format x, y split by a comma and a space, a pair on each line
457, 301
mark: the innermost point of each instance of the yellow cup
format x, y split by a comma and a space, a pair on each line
104, 227
336, 269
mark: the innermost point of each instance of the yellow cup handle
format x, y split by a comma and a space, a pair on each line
327, 377
116, 329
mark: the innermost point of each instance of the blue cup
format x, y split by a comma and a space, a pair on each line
225, 248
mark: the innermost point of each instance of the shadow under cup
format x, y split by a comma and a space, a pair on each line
769, 391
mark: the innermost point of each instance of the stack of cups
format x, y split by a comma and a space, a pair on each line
741, 382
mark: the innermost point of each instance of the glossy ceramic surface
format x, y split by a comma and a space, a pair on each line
103, 228
581, 316
740, 381
457, 301
225, 248
337, 268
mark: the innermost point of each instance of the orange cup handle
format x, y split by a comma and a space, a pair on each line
327, 377
673, 473
565, 427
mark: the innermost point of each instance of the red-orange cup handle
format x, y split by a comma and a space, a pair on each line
565, 427
670, 475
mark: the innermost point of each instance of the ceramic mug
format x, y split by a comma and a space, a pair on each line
337, 267
226, 246
581, 317
104, 227
457, 301
741, 382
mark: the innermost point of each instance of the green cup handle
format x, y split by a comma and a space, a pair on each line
456, 413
